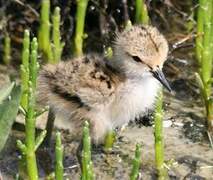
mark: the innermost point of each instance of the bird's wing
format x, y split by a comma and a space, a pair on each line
85, 81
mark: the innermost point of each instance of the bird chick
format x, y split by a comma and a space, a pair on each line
108, 93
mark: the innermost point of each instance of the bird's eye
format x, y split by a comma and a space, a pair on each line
136, 59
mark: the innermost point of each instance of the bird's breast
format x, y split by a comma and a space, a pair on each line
133, 99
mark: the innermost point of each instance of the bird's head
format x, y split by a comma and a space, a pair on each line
142, 50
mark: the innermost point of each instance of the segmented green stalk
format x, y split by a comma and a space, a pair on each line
25, 69
79, 31
30, 136
59, 168
204, 54
159, 141
199, 38
87, 167
44, 31
7, 49
29, 70
109, 141
31, 115
206, 64
141, 13
33, 63
56, 37
136, 163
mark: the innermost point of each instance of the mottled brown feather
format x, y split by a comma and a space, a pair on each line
75, 86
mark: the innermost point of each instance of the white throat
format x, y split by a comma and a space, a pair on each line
133, 98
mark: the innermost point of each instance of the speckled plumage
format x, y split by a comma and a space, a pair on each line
109, 93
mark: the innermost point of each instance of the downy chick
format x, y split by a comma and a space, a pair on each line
108, 93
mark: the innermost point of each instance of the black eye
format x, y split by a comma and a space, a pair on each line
136, 58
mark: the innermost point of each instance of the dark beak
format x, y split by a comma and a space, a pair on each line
158, 74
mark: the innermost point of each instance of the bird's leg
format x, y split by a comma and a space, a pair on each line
49, 126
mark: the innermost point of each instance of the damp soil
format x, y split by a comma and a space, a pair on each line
188, 154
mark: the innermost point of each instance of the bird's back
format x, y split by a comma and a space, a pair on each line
75, 87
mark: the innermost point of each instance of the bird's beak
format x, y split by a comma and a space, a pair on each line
158, 74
